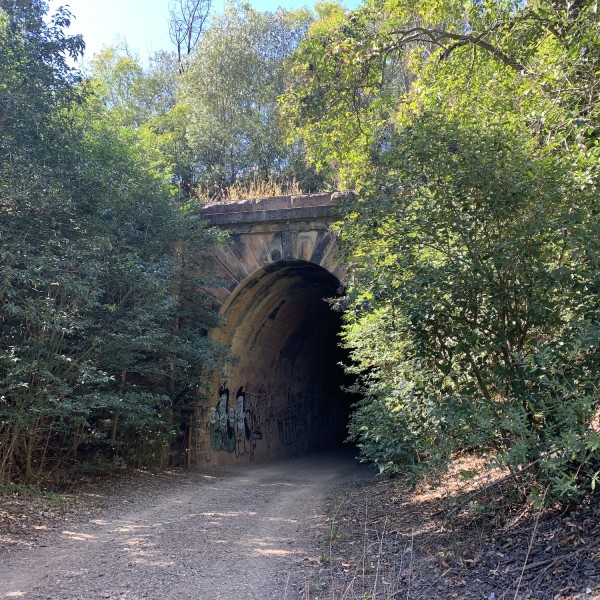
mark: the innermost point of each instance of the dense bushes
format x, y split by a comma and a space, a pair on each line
95, 354
470, 135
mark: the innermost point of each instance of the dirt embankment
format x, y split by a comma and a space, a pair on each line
463, 536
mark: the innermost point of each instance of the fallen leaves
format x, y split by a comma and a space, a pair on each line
409, 544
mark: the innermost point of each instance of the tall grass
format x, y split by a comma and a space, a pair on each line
255, 187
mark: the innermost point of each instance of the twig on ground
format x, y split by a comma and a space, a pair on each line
531, 541
557, 560
412, 548
365, 539
379, 553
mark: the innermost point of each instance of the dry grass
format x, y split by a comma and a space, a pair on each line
253, 188
460, 536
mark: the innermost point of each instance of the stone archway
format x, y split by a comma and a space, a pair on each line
282, 397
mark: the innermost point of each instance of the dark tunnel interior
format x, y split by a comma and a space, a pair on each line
285, 336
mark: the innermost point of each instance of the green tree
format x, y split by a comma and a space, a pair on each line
145, 98
95, 352
132, 93
472, 240
231, 85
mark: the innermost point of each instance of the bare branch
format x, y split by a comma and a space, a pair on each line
187, 20
440, 37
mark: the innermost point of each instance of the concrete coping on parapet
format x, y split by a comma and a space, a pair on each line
276, 208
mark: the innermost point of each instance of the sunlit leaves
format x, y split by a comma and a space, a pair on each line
469, 133
231, 85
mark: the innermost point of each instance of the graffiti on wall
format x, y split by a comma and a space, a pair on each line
249, 420
234, 426
222, 419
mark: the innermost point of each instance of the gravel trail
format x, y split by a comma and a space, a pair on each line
240, 532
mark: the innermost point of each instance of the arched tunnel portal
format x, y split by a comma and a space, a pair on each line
287, 380
283, 394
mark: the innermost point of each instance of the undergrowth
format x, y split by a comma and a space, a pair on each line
467, 535
32, 491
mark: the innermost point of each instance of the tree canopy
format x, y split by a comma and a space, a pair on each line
231, 84
469, 133
95, 351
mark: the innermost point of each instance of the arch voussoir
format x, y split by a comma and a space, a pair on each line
276, 271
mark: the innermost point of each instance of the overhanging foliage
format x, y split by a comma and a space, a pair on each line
470, 135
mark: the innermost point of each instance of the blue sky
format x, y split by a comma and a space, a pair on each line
142, 23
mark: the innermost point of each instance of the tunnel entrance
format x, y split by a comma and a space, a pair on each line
283, 396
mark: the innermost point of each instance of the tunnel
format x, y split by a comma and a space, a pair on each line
283, 396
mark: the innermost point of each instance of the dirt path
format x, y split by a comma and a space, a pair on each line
243, 532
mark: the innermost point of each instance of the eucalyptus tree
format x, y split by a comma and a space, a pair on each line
187, 19
231, 86
132, 92
145, 97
